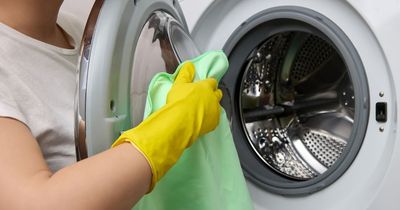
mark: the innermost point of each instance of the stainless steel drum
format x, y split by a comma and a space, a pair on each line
297, 104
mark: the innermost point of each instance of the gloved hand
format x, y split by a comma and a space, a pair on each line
192, 109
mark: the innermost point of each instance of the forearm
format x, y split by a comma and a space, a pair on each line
114, 179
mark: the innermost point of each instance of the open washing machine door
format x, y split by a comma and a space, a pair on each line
126, 42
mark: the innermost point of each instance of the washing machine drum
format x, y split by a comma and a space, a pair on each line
299, 117
126, 42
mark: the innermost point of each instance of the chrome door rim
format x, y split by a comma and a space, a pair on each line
80, 96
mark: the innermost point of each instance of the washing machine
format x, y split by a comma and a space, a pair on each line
311, 91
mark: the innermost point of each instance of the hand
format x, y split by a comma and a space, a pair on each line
192, 109
201, 98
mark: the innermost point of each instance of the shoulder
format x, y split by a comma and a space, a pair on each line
73, 25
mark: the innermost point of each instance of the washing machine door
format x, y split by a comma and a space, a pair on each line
126, 42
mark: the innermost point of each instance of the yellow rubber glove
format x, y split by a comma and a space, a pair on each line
192, 109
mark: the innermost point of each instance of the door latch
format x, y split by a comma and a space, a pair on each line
381, 112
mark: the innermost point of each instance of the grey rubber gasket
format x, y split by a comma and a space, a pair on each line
247, 37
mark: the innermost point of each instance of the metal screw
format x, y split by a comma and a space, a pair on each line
381, 94
381, 129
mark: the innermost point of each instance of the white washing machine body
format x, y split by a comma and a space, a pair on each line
127, 41
371, 180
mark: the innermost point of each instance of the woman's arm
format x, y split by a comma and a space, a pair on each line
114, 179
118, 177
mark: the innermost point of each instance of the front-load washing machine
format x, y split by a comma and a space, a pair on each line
312, 95
311, 89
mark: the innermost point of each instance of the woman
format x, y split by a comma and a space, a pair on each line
38, 55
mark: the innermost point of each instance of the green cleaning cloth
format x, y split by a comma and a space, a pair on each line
208, 176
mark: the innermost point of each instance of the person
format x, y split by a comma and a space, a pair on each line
39, 50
